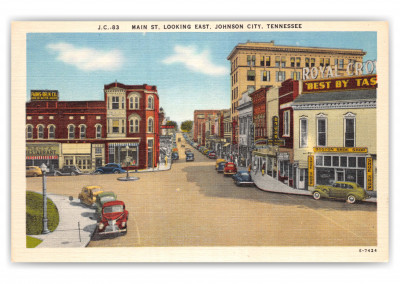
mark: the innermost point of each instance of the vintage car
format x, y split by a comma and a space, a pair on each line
230, 169
221, 167
211, 155
114, 218
110, 168
217, 162
189, 156
175, 156
33, 171
67, 171
350, 191
243, 178
89, 194
101, 199
187, 150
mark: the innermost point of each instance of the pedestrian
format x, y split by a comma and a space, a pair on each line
166, 160
249, 169
263, 169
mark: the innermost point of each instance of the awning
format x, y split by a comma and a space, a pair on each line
42, 157
122, 144
227, 144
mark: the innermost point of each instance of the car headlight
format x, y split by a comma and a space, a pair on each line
101, 226
123, 224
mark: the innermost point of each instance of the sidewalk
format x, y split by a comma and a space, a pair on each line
268, 183
67, 233
161, 167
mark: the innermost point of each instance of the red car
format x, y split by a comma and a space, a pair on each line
114, 218
212, 155
230, 169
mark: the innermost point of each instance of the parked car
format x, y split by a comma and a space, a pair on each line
212, 155
175, 156
350, 191
221, 167
33, 171
230, 169
242, 178
114, 218
67, 171
110, 168
218, 161
189, 157
89, 194
101, 199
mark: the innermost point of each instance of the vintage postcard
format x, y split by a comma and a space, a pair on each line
200, 141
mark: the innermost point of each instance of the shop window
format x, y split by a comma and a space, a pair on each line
52, 132
319, 161
327, 161
303, 132
68, 160
82, 132
349, 132
251, 75
325, 176
352, 162
321, 128
361, 162
343, 162
40, 130
71, 132
29, 132
340, 175
84, 163
335, 161
351, 175
115, 103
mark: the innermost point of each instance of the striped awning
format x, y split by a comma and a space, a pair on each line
42, 157
123, 144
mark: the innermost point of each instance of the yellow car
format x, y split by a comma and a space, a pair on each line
217, 162
32, 171
89, 193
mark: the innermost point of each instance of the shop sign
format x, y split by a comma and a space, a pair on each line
310, 170
44, 95
275, 127
282, 156
370, 182
348, 83
352, 69
42, 150
342, 149
274, 142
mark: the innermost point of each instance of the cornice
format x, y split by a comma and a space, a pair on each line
338, 105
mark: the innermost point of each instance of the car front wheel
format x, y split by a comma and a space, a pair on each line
116, 172
73, 173
316, 195
351, 199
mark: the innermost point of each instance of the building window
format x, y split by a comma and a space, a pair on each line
40, 130
29, 132
312, 62
82, 117
307, 62
262, 60
115, 126
82, 131
52, 132
321, 62
150, 125
349, 134
251, 75
150, 102
327, 61
71, 131
98, 150
84, 163
321, 132
295, 75
286, 123
71, 117
298, 61
98, 131
265, 76
29, 117
115, 103
134, 125
292, 61
277, 61
280, 76
68, 160
251, 60
51, 117
283, 61
98, 117
267, 61
341, 63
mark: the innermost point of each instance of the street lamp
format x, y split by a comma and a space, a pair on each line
127, 162
45, 230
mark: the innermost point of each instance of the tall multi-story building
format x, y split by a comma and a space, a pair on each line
260, 64
200, 117
124, 128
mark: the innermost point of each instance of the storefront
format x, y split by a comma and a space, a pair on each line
266, 159
43, 153
123, 153
78, 154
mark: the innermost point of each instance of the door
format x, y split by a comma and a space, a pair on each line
99, 162
302, 178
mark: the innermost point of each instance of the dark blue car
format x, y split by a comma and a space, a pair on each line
175, 156
243, 178
110, 168
221, 166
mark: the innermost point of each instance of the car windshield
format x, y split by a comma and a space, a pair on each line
230, 166
96, 190
114, 209
107, 198
244, 174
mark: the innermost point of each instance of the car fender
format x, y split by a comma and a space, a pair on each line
324, 192
356, 195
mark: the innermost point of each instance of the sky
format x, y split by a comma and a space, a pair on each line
190, 70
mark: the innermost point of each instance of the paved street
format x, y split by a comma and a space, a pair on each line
192, 205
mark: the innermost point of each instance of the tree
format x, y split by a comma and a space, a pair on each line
187, 125
170, 122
